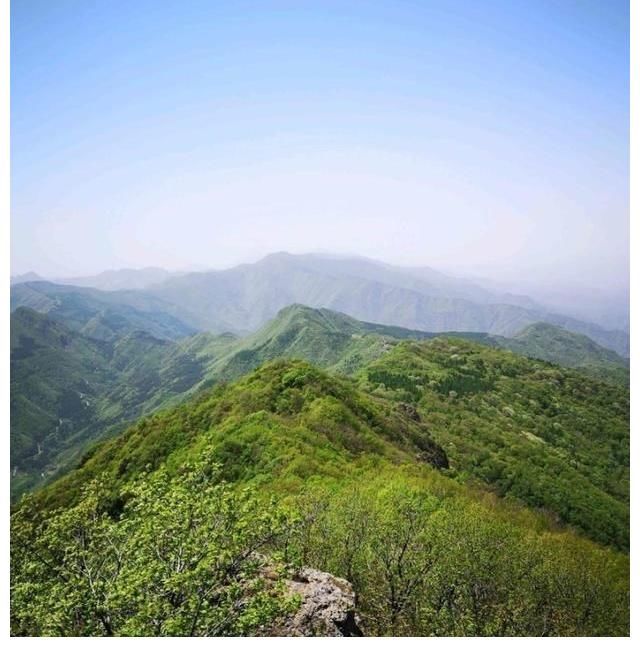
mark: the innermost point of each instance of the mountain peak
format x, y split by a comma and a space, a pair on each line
28, 277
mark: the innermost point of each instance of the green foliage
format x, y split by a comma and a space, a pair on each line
557, 345
428, 552
428, 563
70, 389
393, 476
284, 422
176, 556
544, 435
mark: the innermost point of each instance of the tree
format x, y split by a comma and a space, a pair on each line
184, 557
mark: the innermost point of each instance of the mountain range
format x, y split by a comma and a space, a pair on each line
244, 298
70, 387
460, 489
493, 470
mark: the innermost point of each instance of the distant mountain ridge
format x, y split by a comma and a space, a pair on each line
244, 298
27, 277
120, 279
110, 280
70, 387
99, 314
557, 345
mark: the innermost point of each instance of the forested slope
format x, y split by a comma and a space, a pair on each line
339, 478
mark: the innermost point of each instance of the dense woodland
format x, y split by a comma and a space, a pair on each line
260, 443
85, 370
463, 490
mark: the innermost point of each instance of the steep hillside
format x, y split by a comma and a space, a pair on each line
545, 435
124, 377
364, 484
68, 389
286, 421
563, 347
119, 380
101, 315
494, 410
56, 376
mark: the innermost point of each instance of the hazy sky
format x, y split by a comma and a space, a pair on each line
486, 136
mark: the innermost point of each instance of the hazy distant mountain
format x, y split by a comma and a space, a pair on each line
557, 345
26, 278
243, 298
120, 279
610, 310
607, 308
99, 314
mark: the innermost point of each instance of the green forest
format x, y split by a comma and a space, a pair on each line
460, 488
73, 384
320, 322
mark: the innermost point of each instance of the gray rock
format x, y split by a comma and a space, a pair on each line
327, 606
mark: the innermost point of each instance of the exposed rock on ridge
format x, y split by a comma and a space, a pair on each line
327, 607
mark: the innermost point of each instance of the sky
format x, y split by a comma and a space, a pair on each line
486, 138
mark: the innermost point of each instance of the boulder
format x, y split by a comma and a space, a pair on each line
327, 606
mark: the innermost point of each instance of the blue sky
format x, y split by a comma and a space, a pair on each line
473, 136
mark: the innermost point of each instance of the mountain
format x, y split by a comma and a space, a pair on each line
344, 344
530, 430
562, 438
243, 298
380, 485
126, 374
28, 277
69, 389
55, 376
321, 336
608, 307
120, 279
557, 345
102, 315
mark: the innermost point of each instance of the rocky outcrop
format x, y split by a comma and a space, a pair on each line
327, 606
434, 455
410, 411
